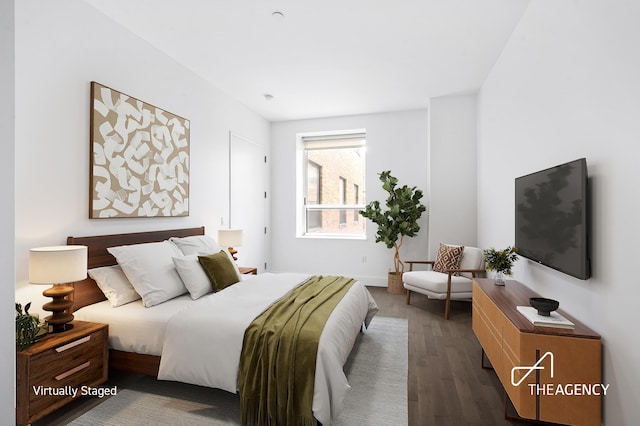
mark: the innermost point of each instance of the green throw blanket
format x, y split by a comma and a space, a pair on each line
278, 360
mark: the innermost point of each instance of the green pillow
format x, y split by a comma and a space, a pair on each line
219, 269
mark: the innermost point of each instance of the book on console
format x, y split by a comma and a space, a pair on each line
554, 320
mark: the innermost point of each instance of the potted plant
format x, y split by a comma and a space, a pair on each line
500, 261
399, 219
27, 327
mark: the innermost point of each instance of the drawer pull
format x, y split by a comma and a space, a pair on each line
73, 370
73, 344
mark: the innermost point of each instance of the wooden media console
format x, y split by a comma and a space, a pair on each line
561, 381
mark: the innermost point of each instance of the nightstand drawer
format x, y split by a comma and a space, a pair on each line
87, 372
67, 367
48, 368
53, 372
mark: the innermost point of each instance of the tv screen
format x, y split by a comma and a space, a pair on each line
551, 218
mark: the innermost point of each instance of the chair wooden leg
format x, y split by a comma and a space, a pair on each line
448, 303
447, 307
408, 296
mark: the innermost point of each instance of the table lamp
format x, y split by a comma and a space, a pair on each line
58, 265
230, 238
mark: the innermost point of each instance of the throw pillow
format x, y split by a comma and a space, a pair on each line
448, 258
219, 269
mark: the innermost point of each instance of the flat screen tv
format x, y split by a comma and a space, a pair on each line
551, 218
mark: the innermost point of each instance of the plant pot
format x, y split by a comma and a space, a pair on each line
394, 285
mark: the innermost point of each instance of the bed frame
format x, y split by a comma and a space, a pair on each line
87, 291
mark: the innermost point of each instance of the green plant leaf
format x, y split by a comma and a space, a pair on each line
26, 327
401, 216
500, 260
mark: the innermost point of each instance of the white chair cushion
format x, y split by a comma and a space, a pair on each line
472, 258
435, 282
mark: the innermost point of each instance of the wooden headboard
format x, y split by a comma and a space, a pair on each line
87, 291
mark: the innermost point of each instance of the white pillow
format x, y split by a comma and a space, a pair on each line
114, 284
193, 276
201, 245
150, 269
195, 244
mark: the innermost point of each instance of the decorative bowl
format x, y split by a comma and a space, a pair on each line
544, 306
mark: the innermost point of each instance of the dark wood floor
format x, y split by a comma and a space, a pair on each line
446, 383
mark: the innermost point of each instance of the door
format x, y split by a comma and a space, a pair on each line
247, 199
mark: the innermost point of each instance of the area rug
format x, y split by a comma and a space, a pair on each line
376, 369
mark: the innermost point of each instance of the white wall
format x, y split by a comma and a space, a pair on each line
396, 142
452, 171
7, 216
60, 47
566, 86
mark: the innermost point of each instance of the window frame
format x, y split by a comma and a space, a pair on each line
301, 184
312, 164
356, 197
342, 190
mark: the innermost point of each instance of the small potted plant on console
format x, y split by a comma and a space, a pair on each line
500, 261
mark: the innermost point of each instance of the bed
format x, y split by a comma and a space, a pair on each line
152, 347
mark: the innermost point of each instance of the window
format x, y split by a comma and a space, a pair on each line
314, 194
328, 165
343, 200
356, 200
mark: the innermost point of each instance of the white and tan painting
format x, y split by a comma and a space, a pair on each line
139, 158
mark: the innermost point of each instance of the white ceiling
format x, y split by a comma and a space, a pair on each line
329, 57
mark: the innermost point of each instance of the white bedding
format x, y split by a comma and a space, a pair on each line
135, 328
212, 328
132, 327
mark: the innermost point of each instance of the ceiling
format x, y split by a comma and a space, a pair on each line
330, 57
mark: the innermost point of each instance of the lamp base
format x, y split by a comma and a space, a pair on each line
233, 252
58, 307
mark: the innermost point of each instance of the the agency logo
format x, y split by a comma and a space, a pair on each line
531, 369
559, 389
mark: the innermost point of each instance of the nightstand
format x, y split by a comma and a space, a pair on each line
56, 366
248, 270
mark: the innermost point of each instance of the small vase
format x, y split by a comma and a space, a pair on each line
498, 278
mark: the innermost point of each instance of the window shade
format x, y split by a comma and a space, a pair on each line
328, 142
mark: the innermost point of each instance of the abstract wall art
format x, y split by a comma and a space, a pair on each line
139, 158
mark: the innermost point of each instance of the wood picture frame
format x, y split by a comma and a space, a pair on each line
139, 161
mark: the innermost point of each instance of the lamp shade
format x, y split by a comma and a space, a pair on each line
230, 237
57, 264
